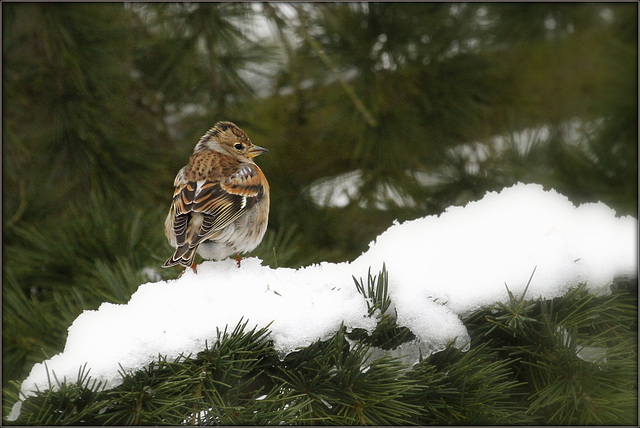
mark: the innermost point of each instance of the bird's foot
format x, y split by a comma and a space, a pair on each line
193, 267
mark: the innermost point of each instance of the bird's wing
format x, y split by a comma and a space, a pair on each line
219, 202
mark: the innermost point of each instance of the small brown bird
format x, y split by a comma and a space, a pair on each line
221, 199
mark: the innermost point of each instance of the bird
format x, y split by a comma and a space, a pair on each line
220, 203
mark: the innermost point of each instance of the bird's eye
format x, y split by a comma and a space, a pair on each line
238, 146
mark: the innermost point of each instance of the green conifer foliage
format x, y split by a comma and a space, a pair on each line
103, 103
569, 360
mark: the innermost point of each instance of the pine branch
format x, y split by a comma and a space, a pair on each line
317, 48
570, 360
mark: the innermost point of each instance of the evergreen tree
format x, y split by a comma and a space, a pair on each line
102, 104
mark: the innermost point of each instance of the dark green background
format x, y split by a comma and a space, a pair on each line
103, 103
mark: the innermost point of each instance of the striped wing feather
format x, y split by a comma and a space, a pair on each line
219, 202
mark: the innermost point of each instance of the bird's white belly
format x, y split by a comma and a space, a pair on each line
241, 236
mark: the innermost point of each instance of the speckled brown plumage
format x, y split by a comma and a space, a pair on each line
221, 198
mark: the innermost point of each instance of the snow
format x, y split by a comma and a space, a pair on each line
441, 268
464, 257
339, 191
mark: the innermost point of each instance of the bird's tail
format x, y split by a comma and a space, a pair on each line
184, 256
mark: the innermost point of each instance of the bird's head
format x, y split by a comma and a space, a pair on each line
227, 138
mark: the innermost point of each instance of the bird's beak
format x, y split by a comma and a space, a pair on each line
256, 151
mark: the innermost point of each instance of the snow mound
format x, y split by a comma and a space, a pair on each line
440, 269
